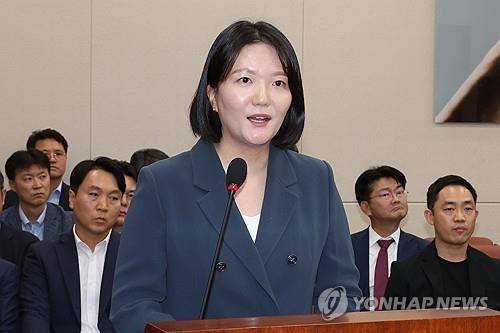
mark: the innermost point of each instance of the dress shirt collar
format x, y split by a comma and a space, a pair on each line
59, 187
82, 244
55, 196
373, 237
40, 218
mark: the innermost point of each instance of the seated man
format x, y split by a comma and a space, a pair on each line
9, 312
13, 243
144, 157
448, 272
131, 182
54, 145
381, 195
28, 172
66, 285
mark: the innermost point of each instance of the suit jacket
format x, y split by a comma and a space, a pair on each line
11, 198
50, 293
8, 297
302, 245
420, 276
56, 220
408, 246
14, 243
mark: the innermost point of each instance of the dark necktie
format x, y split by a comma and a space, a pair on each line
381, 269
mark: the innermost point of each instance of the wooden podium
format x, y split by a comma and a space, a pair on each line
417, 321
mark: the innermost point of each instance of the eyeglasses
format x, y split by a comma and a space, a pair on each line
389, 195
57, 154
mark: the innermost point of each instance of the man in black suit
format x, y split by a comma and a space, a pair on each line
13, 243
8, 297
28, 173
381, 195
55, 147
67, 283
448, 272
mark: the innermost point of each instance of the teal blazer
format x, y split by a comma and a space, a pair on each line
303, 244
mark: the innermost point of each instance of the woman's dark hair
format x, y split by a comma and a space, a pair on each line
143, 157
81, 170
24, 159
205, 122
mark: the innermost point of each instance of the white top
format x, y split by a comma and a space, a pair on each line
252, 223
373, 248
91, 265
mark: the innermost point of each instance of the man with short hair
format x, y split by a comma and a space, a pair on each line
448, 272
13, 243
130, 175
55, 147
66, 284
145, 157
381, 195
28, 172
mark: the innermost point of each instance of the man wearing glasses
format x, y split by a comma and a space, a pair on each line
55, 147
381, 195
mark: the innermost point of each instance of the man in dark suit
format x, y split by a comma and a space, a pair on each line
8, 297
448, 272
381, 195
28, 173
67, 283
55, 147
13, 243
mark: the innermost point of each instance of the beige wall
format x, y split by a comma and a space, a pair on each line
115, 76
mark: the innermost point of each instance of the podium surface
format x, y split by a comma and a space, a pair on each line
452, 321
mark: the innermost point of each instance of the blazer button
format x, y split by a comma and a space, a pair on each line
292, 259
221, 266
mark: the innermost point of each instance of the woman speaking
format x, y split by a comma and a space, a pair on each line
287, 237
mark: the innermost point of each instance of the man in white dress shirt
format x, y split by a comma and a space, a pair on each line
381, 195
66, 285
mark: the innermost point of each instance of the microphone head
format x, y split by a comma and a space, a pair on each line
236, 174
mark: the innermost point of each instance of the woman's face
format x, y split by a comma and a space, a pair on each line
254, 98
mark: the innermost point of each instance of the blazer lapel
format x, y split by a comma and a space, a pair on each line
50, 224
404, 246
477, 276
280, 193
108, 273
362, 254
430, 265
68, 262
7, 246
209, 175
14, 218
64, 198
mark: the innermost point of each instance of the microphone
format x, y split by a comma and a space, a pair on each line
235, 177
236, 174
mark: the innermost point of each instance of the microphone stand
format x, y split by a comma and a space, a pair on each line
232, 188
